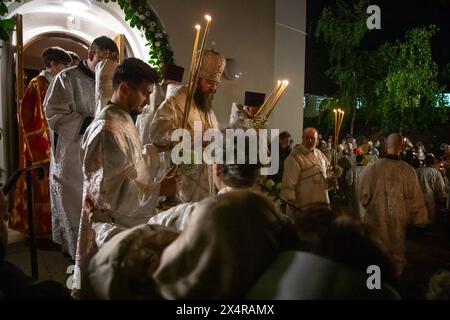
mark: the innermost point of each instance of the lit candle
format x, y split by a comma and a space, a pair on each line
338, 124
202, 47
196, 70
335, 127
275, 89
194, 53
341, 118
199, 60
191, 74
278, 96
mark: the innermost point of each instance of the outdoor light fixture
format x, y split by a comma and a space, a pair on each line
232, 70
77, 5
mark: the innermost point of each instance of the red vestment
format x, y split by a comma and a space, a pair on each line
34, 149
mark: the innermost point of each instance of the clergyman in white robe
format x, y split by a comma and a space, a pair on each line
195, 185
119, 180
352, 178
391, 196
104, 72
433, 188
196, 181
69, 108
305, 177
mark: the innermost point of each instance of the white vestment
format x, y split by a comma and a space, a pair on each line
104, 72
305, 177
196, 184
69, 104
119, 186
433, 188
176, 218
353, 179
144, 120
239, 118
179, 216
391, 195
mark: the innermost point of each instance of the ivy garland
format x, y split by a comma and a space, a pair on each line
139, 15
5, 24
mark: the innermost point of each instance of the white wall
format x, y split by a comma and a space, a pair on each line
242, 30
290, 42
265, 37
42, 16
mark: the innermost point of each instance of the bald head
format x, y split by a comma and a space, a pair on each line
394, 144
310, 137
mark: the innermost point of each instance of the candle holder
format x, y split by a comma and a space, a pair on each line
261, 118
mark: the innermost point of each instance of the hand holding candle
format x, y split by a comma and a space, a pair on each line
278, 96
338, 119
275, 89
194, 53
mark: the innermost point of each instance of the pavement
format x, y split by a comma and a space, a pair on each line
52, 265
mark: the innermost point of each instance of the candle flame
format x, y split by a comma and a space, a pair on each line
198, 27
208, 17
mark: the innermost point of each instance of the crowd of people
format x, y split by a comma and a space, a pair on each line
137, 226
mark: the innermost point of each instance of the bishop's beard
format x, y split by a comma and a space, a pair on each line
203, 100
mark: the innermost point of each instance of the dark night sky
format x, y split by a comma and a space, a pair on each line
397, 17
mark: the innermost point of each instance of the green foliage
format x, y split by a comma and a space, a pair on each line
397, 83
412, 90
138, 14
272, 190
343, 28
6, 25
3, 9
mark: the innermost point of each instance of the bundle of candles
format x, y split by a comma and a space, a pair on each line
338, 119
196, 62
260, 118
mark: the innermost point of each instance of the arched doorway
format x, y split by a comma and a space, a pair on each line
44, 16
32, 61
47, 23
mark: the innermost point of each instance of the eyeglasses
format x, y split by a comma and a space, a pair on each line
212, 83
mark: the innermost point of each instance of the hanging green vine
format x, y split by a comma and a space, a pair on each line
138, 14
5, 24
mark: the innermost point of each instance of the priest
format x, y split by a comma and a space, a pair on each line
119, 173
242, 115
195, 184
69, 109
34, 146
